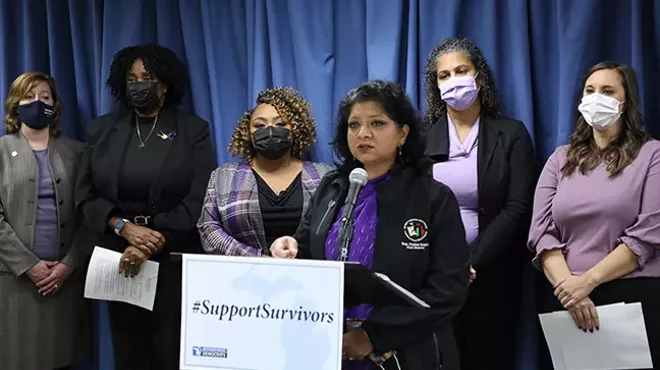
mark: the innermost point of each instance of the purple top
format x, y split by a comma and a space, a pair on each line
46, 231
459, 172
361, 249
589, 215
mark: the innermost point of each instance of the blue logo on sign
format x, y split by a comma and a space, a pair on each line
209, 352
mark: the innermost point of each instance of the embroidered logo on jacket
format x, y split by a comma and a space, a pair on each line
415, 231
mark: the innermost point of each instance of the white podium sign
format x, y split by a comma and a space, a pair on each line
247, 313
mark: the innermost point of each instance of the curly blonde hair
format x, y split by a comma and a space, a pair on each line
292, 107
18, 90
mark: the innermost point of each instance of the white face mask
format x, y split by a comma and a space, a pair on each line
599, 111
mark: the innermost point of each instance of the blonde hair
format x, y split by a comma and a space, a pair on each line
21, 86
291, 106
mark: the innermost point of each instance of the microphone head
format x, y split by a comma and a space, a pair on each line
358, 176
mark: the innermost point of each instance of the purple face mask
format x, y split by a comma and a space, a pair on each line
459, 92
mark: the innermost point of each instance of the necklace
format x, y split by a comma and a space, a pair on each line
137, 128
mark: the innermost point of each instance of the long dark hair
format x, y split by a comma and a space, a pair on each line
399, 109
585, 155
435, 106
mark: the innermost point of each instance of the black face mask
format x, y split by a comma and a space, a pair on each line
272, 142
143, 95
36, 115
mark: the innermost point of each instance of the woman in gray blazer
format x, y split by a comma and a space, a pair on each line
43, 315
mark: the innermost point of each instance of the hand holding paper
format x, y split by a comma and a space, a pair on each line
585, 315
105, 282
621, 342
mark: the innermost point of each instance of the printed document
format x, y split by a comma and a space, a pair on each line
104, 282
621, 342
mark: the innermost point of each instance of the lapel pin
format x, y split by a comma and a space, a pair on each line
164, 135
14, 153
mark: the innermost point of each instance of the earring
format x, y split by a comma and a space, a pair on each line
400, 154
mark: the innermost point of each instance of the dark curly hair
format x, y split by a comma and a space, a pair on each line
435, 106
398, 108
585, 155
293, 108
159, 61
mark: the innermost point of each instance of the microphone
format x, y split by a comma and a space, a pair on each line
357, 179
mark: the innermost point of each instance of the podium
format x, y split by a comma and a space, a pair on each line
364, 286
267, 313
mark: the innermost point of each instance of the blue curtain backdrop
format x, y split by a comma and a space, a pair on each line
538, 49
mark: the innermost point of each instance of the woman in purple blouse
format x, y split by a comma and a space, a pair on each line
43, 314
596, 224
488, 162
407, 226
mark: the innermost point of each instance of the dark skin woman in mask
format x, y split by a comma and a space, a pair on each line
141, 186
264, 195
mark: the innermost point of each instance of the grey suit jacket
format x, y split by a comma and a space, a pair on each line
18, 206
57, 325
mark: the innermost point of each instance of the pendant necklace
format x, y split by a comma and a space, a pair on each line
137, 128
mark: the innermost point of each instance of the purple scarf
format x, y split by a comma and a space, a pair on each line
361, 250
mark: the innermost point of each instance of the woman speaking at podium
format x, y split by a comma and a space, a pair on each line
406, 226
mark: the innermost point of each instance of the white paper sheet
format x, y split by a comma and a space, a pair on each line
104, 281
621, 342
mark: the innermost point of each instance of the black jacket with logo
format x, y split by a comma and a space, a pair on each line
420, 245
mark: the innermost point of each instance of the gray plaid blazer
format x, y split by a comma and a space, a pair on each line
231, 222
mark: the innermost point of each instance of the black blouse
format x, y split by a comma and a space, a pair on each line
280, 213
137, 170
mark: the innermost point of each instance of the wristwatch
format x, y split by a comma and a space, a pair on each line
120, 225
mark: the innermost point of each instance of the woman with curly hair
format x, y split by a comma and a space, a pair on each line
407, 225
488, 162
141, 186
251, 203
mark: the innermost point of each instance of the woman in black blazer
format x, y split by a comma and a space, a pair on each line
142, 181
488, 162
407, 226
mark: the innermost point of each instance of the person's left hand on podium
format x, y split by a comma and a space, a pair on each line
356, 345
284, 247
